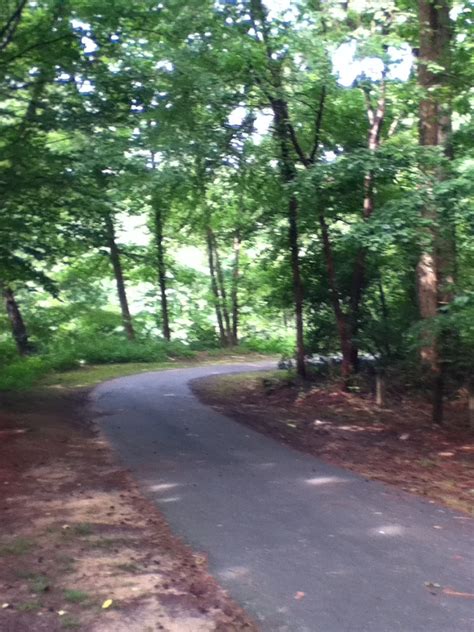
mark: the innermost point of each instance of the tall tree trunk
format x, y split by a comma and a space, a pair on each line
235, 289
342, 324
286, 138
161, 265
160, 260
19, 331
376, 115
119, 278
222, 290
288, 171
298, 296
436, 263
214, 287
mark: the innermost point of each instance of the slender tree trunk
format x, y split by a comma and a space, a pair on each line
215, 287
288, 171
286, 138
235, 290
161, 265
119, 278
435, 266
343, 328
222, 290
297, 285
18, 327
376, 115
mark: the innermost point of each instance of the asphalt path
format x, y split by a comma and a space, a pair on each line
303, 546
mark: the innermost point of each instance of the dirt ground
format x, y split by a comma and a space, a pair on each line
80, 548
396, 444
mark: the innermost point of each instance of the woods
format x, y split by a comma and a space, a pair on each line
180, 176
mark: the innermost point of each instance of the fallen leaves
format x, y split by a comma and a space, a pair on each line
107, 603
299, 595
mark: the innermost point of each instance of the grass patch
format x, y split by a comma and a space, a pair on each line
39, 583
82, 529
95, 374
76, 596
19, 546
30, 606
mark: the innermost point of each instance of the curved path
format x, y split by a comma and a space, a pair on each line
302, 545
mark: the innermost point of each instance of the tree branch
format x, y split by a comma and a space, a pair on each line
8, 31
318, 124
36, 45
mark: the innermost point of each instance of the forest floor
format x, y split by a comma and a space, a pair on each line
80, 548
396, 444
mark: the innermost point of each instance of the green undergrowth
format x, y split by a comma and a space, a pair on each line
90, 375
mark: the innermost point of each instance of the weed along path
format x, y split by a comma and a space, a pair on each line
302, 545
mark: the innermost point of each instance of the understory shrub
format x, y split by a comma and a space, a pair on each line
22, 373
62, 355
114, 349
282, 345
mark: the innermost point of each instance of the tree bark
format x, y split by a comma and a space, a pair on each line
161, 267
288, 171
119, 278
435, 267
214, 287
18, 327
235, 289
222, 291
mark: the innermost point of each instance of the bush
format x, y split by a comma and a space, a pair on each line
22, 373
282, 346
114, 349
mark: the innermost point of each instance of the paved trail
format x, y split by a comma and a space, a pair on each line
302, 545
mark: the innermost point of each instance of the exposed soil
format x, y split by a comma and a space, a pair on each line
76, 533
396, 444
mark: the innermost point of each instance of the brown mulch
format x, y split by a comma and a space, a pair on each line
396, 444
76, 533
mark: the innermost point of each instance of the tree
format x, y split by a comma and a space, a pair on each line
435, 270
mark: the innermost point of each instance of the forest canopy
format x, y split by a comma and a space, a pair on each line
294, 177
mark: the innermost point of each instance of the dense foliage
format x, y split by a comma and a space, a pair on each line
187, 175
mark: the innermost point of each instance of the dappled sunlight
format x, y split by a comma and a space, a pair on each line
388, 529
356, 428
161, 487
325, 480
170, 499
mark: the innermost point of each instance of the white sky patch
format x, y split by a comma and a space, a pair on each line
132, 230
237, 115
164, 65
86, 86
262, 124
348, 68
192, 256
89, 45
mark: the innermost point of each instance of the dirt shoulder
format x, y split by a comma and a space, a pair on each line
80, 548
396, 444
